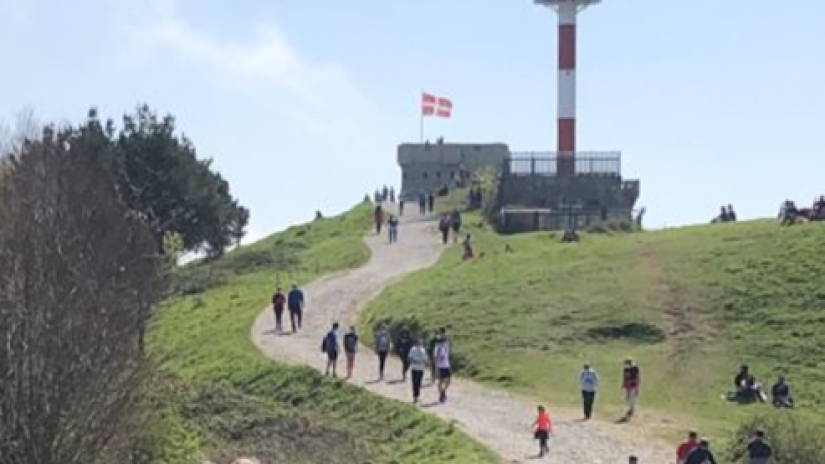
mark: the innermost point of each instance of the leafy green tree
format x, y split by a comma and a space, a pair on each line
161, 178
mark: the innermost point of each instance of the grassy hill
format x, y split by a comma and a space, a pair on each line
688, 304
219, 396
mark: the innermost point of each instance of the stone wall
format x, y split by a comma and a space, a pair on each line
429, 167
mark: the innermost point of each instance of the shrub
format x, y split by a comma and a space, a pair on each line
794, 440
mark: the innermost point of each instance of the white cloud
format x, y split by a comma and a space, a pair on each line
269, 57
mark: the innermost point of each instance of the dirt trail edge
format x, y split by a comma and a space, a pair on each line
498, 420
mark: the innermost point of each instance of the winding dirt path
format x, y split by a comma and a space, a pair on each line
496, 419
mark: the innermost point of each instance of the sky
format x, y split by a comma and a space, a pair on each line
302, 103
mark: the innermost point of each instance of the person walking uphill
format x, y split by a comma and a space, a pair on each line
329, 345
278, 303
701, 454
350, 348
759, 450
402, 348
589, 380
631, 379
541, 430
418, 363
455, 223
422, 203
295, 304
444, 228
382, 348
378, 218
686, 447
392, 228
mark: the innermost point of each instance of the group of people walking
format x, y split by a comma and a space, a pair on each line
412, 353
294, 302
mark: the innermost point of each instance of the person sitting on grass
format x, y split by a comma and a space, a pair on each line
570, 236
747, 389
781, 394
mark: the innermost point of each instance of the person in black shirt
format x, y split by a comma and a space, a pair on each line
759, 450
701, 454
350, 348
747, 389
402, 349
781, 394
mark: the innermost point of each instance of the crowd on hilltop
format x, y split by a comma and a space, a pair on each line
789, 214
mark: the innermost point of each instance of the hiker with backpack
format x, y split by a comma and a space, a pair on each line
392, 228
383, 344
350, 348
329, 346
402, 348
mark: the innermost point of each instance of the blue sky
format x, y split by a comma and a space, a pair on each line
302, 102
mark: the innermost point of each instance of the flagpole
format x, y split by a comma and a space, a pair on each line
421, 111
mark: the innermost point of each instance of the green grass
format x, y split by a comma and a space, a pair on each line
748, 292
233, 400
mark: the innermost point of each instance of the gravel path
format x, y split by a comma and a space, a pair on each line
498, 420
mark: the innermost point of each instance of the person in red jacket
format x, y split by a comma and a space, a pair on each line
542, 429
631, 379
278, 302
686, 447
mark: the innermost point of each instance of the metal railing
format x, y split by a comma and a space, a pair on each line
547, 163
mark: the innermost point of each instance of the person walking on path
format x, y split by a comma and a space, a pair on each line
455, 223
442, 362
444, 228
631, 380
589, 380
439, 335
350, 348
402, 349
278, 303
392, 194
701, 454
422, 203
541, 430
418, 363
295, 304
382, 348
430, 202
378, 218
330, 347
686, 447
759, 450
392, 228
400, 205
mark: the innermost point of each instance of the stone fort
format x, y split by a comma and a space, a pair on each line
536, 190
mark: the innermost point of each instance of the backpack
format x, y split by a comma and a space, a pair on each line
326, 342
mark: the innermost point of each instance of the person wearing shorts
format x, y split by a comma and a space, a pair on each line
442, 362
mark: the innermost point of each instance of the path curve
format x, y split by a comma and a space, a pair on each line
498, 420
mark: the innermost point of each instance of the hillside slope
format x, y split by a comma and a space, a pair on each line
227, 399
688, 304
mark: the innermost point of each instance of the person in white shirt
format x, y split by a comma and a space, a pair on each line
418, 363
589, 381
441, 355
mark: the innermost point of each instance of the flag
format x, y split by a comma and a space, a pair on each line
436, 106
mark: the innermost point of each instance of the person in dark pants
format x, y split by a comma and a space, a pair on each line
455, 223
422, 203
541, 430
701, 454
295, 304
589, 380
418, 363
402, 349
759, 450
278, 303
400, 206
444, 228
430, 202
350, 349
330, 347
382, 348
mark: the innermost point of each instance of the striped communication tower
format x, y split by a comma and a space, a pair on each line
568, 11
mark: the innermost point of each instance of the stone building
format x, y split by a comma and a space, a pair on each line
433, 166
537, 191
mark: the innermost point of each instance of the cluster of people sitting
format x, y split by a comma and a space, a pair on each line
727, 214
789, 214
748, 390
570, 236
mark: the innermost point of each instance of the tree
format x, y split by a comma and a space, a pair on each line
79, 276
161, 177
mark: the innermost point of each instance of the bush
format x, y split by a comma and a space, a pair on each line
794, 440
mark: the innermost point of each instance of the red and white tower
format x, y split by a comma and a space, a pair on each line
567, 11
